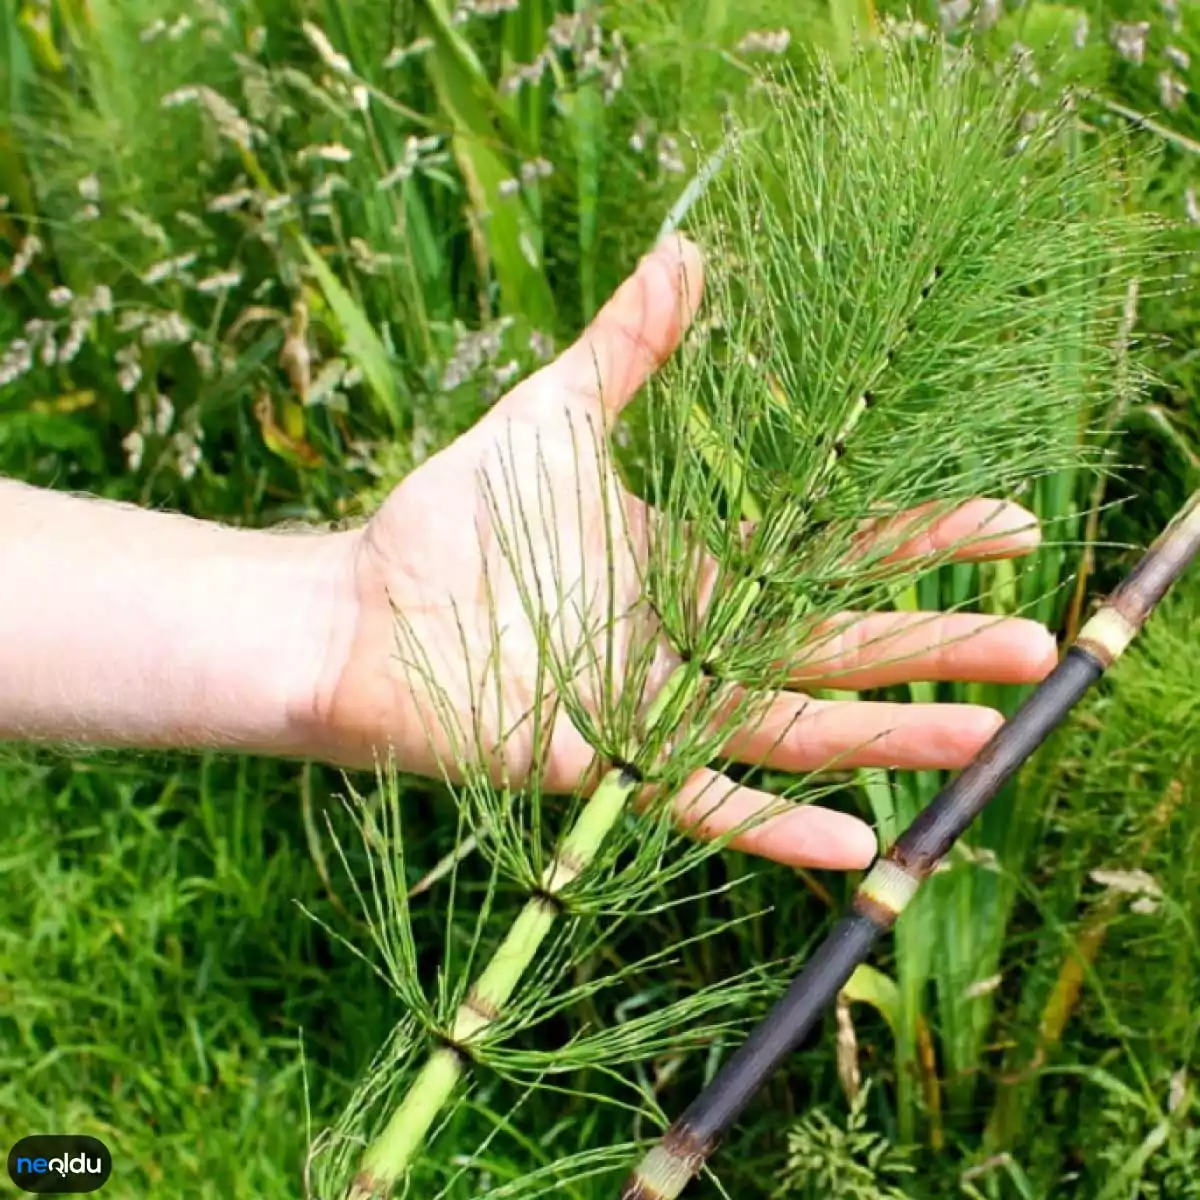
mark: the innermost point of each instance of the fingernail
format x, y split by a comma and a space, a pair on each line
863, 844
1012, 519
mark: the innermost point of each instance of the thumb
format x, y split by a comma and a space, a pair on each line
633, 334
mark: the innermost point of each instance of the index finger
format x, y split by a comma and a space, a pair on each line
636, 331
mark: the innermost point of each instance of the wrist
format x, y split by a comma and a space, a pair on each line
240, 626
357, 708
323, 598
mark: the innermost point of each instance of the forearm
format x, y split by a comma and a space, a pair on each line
132, 628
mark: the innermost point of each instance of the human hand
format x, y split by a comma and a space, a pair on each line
433, 553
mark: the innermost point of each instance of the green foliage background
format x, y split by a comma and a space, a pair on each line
157, 983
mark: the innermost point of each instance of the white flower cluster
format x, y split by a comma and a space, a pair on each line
467, 9
1171, 90
473, 350
369, 260
170, 269
77, 333
29, 248
188, 454
219, 281
768, 41
1129, 40
159, 28
334, 377
530, 172
152, 328
166, 329
907, 30
419, 153
229, 122
668, 153
1135, 882
134, 445
228, 202
16, 361
596, 54
988, 13
206, 361
525, 75
951, 13
41, 341
129, 367
185, 451
401, 54
332, 58
541, 345
669, 158
333, 152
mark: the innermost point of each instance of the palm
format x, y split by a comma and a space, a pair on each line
455, 559
442, 553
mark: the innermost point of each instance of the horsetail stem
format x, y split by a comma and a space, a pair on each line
892, 882
388, 1158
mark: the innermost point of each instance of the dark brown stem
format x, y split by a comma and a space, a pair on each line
894, 879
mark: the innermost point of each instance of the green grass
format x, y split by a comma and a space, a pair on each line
157, 977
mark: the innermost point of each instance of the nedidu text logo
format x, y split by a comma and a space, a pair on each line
63, 1164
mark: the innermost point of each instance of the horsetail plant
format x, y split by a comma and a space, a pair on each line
893, 262
894, 879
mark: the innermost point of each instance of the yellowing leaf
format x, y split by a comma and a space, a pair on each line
291, 448
68, 402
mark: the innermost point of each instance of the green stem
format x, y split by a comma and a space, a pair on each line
389, 1157
392, 1153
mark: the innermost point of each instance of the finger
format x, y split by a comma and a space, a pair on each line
799, 733
635, 332
711, 805
976, 531
878, 649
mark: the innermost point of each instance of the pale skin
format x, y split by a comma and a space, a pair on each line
123, 627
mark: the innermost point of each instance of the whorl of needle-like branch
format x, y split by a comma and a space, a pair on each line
909, 299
